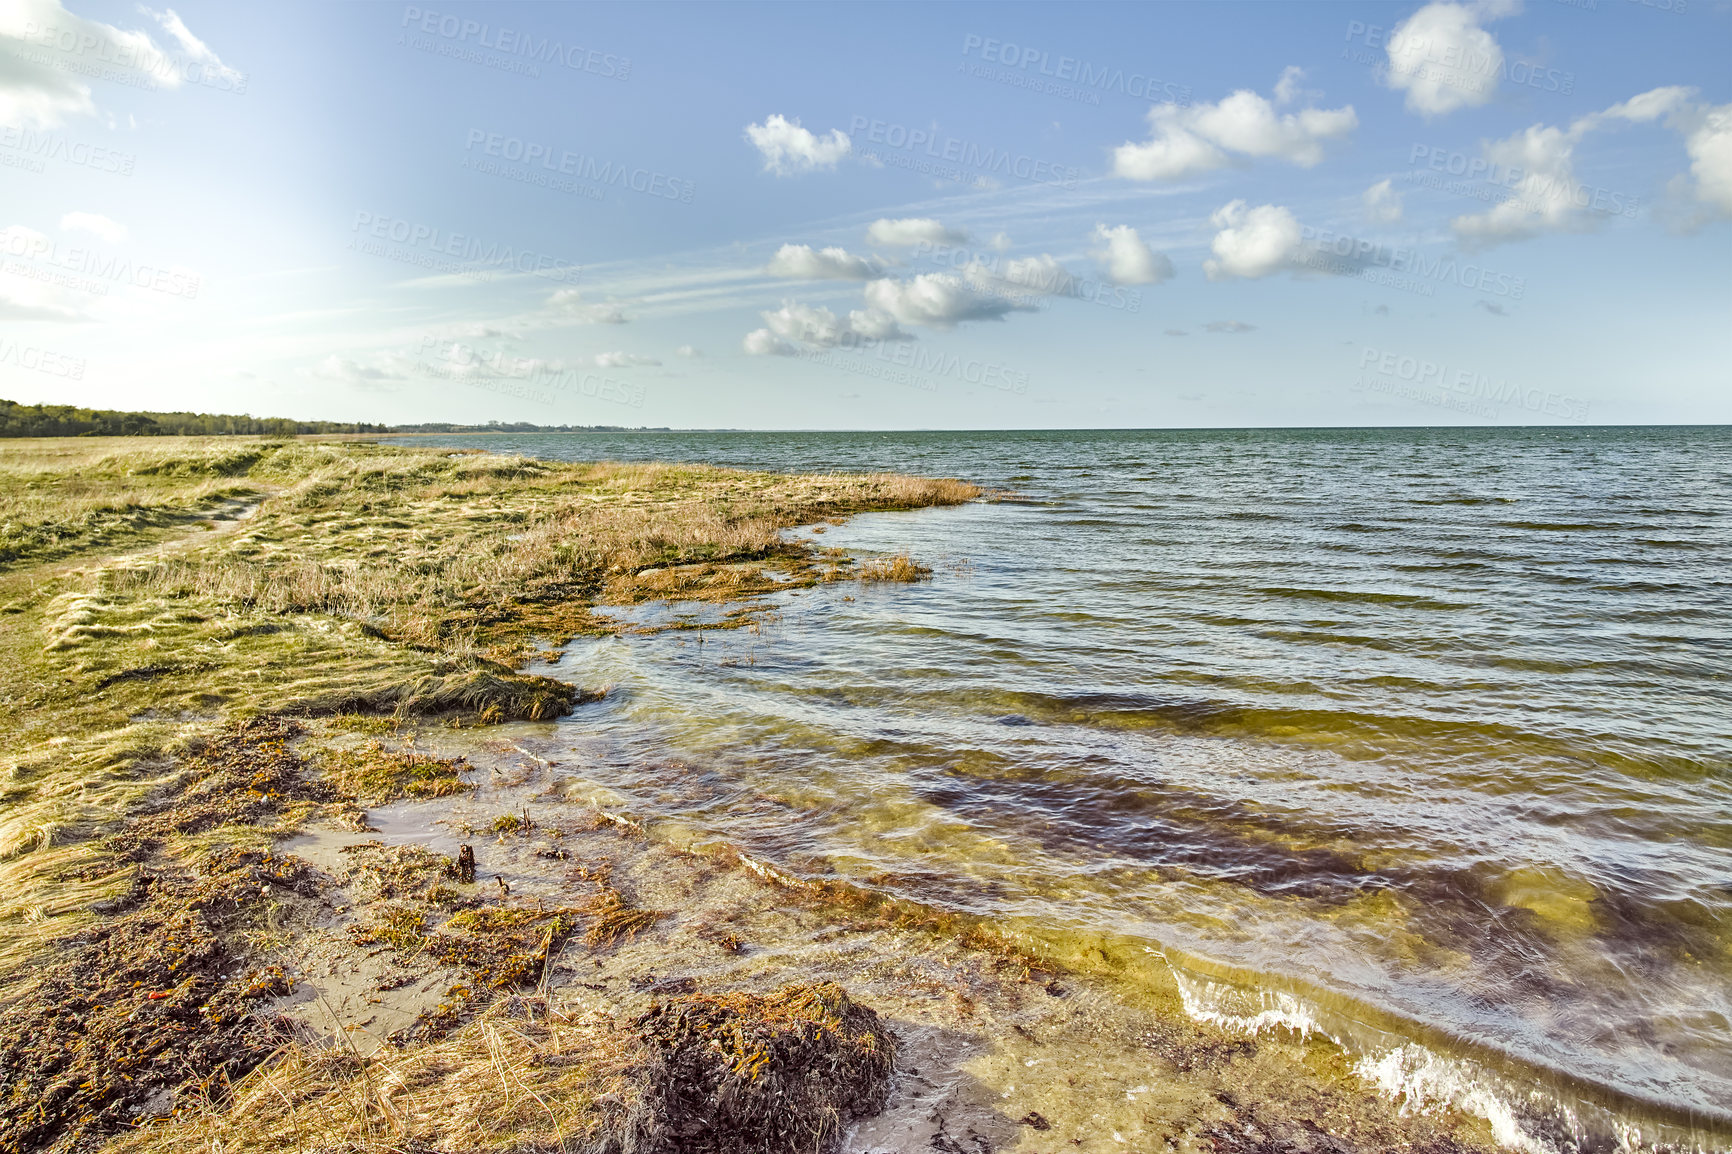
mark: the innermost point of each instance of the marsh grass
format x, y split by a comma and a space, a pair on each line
374, 775
62, 496
371, 587
897, 567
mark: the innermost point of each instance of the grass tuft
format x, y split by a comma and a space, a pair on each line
897, 567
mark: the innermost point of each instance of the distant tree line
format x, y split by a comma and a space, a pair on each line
71, 421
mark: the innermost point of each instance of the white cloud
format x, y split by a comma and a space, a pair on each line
802, 262
876, 324
1252, 242
1127, 259
96, 224
349, 372
622, 360
788, 148
910, 231
40, 95
190, 45
1443, 59
806, 324
937, 300
16, 307
1708, 140
570, 305
474, 329
37, 96
1234, 327
815, 325
20, 240
1548, 198
1287, 88
764, 343
1199, 138
1041, 275
688, 351
1382, 203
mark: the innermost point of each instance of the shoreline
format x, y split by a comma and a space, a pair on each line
391, 696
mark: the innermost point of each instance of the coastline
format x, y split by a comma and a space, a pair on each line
408, 712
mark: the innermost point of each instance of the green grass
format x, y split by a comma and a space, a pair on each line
371, 585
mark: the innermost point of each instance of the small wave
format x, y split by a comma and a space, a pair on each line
1522, 1115
1405, 600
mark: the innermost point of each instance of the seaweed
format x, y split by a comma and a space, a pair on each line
741, 1073
154, 1001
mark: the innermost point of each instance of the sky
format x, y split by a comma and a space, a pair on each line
1509, 212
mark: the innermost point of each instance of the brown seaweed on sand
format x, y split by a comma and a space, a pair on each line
757, 1074
150, 1003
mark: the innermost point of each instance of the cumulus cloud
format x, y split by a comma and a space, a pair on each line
1198, 138
940, 300
622, 360
1177, 333
36, 95
787, 148
39, 95
1252, 242
1041, 275
1708, 142
1443, 59
688, 351
1548, 198
1127, 260
1229, 327
349, 372
910, 231
876, 324
569, 305
96, 224
802, 262
815, 325
764, 343
1382, 203
807, 324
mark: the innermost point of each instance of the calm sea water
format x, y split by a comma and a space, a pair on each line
1422, 735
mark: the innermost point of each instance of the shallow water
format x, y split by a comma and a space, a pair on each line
1428, 730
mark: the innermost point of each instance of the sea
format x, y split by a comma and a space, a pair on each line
1416, 739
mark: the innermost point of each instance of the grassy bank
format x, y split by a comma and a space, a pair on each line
157, 593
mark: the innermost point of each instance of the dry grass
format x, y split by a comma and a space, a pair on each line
522, 1076
897, 567
370, 581
371, 586
732, 1074
373, 774
615, 918
59, 496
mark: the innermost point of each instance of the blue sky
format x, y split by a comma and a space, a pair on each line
872, 216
